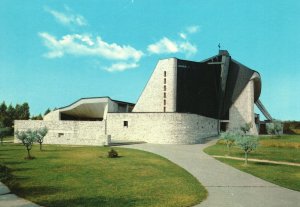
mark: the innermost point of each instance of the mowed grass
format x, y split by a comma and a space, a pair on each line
284, 148
84, 176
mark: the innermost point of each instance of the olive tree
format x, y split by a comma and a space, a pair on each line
27, 138
41, 133
247, 144
229, 138
275, 127
246, 127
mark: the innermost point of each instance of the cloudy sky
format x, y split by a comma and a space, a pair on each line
55, 52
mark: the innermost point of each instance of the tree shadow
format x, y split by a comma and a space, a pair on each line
95, 201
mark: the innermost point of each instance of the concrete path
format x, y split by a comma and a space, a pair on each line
11, 200
227, 186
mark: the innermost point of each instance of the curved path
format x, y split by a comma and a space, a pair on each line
226, 185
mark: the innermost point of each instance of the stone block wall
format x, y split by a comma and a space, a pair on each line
68, 132
161, 128
152, 98
242, 111
52, 116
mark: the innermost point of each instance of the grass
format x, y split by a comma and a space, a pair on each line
8, 139
84, 176
284, 148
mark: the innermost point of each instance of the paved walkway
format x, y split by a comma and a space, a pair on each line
11, 200
227, 186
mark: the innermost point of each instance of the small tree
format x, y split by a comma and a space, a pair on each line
41, 133
246, 128
47, 111
248, 144
229, 139
275, 127
27, 138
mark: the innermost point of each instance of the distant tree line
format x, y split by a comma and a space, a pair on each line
9, 113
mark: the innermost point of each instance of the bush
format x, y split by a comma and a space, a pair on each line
229, 138
275, 128
113, 154
246, 128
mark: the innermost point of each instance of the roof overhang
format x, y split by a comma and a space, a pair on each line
87, 108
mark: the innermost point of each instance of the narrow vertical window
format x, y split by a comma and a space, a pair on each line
165, 102
165, 80
165, 73
125, 123
164, 109
165, 87
165, 95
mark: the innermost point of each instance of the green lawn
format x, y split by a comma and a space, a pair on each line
84, 176
8, 139
284, 148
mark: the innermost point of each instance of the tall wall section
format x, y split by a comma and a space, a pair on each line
159, 95
68, 132
161, 128
242, 111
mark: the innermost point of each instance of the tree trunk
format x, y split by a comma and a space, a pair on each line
246, 158
228, 149
41, 147
28, 154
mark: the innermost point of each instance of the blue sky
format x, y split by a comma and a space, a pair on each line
55, 52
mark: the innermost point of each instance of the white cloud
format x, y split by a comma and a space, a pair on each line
68, 17
192, 29
166, 46
121, 66
188, 48
182, 35
84, 45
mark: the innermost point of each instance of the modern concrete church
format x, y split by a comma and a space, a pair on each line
184, 102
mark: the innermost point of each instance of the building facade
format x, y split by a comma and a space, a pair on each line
184, 102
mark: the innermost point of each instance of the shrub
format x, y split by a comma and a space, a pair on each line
113, 153
246, 128
275, 127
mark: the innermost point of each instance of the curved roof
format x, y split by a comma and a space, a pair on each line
94, 107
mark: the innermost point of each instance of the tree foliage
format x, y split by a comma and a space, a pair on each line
229, 138
247, 144
41, 133
27, 138
38, 117
11, 113
4, 132
275, 127
47, 111
246, 127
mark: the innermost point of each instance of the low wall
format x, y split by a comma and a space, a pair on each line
67, 132
161, 128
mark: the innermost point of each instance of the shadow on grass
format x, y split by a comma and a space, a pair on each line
265, 164
34, 190
13, 162
96, 201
